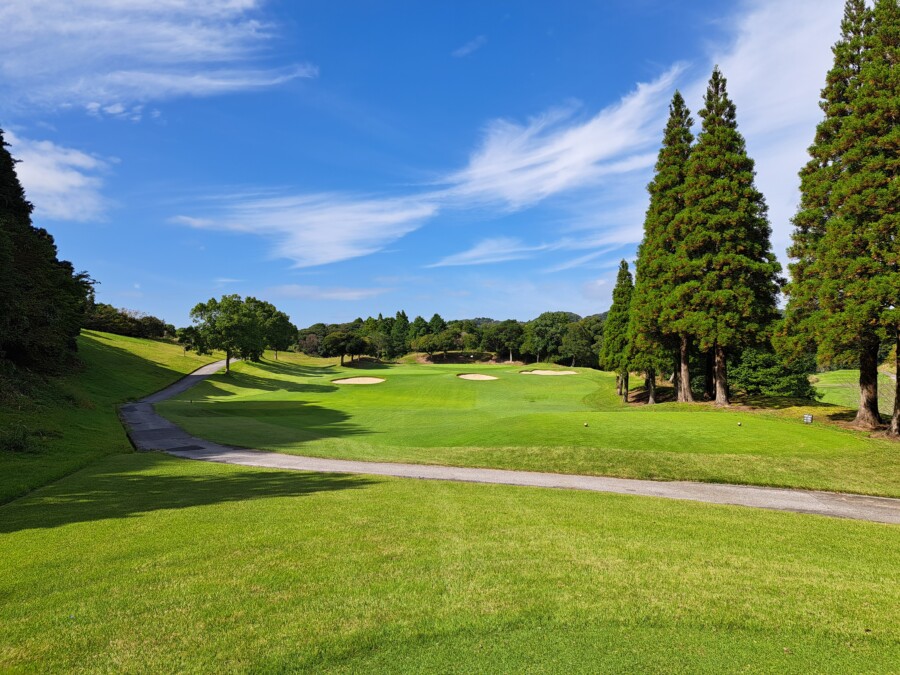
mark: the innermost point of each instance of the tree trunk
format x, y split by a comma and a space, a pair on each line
894, 429
721, 377
573, 362
227, 361
510, 354
276, 354
342, 360
651, 387
618, 385
867, 416
710, 386
625, 386
684, 376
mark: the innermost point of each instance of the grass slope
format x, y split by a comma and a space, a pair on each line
72, 420
841, 387
424, 413
146, 563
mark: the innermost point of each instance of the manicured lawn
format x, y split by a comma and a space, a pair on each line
424, 413
147, 563
841, 387
72, 421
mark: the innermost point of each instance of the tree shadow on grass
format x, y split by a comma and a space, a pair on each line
293, 369
126, 486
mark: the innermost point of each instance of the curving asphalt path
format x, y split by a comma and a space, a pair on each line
150, 431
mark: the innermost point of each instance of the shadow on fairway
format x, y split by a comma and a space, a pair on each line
293, 369
152, 482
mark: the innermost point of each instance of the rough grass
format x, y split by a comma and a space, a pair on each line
70, 421
424, 413
145, 563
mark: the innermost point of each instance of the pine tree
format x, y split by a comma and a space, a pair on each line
652, 339
615, 352
845, 244
727, 276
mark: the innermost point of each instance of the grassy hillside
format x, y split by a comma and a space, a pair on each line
71, 420
841, 387
424, 413
146, 563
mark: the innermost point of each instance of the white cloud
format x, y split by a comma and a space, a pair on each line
519, 165
62, 183
318, 229
776, 65
470, 47
109, 56
322, 293
497, 249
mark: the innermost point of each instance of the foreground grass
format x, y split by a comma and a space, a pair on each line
72, 420
425, 414
841, 388
148, 563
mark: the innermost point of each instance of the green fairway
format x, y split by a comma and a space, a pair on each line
841, 387
424, 413
72, 420
148, 563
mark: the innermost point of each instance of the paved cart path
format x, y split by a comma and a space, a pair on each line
150, 431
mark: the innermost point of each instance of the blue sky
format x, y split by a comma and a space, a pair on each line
341, 159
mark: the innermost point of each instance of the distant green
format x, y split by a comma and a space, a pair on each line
72, 420
147, 563
424, 413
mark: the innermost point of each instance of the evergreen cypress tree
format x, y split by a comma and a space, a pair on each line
42, 299
727, 276
843, 293
652, 339
615, 352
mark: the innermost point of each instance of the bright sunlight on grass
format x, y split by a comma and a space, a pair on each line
425, 414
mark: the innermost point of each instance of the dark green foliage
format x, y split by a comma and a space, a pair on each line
238, 327
727, 276
653, 311
544, 335
761, 371
42, 299
846, 243
399, 342
335, 344
582, 342
437, 324
109, 319
503, 338
615, 353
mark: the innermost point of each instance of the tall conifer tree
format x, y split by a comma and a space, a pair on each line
652, 337
42, 299
844, 285
727, 273
615, 353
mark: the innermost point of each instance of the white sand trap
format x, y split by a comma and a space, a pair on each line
476, 376
549, 372
359, 380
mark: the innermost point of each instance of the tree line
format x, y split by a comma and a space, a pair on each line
552, 336
705, 295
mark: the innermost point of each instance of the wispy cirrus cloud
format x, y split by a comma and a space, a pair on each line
63, 183
317, 229
518, 165
494, 250
326, 293
110, 56
470, 47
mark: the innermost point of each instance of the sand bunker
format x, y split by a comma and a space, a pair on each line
359, 380
476, 376
549, 372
